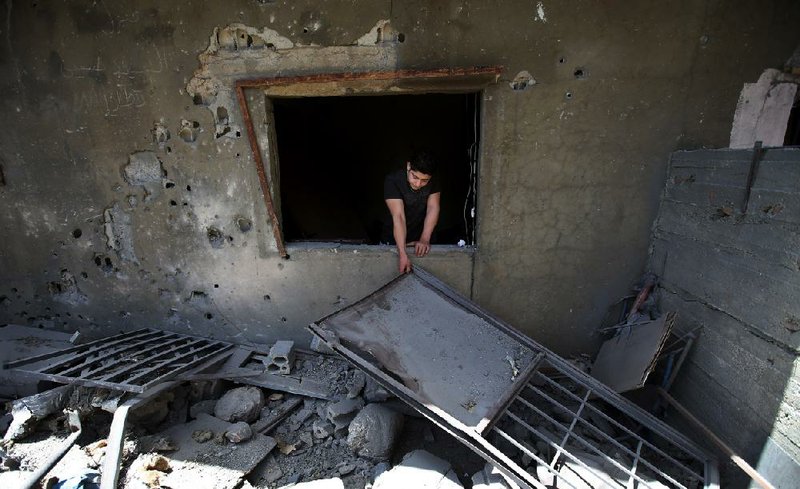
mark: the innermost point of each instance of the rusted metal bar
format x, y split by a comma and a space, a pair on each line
368, 75
739, 461
758, 152
262, 175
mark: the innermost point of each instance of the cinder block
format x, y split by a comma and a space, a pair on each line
281, 357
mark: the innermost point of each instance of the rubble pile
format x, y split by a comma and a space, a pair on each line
223, 433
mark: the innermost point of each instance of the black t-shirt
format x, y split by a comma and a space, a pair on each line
415, 204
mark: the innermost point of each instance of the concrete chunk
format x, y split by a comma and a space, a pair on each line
420, 470
342, 413
240, 404
373, 432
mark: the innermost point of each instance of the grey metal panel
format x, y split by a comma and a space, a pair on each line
386, 327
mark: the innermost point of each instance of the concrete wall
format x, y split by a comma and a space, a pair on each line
570, 167
737, 277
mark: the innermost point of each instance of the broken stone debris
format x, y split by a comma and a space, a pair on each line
421, 470
240, 404
373, 432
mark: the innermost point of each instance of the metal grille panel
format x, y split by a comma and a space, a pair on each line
132, 362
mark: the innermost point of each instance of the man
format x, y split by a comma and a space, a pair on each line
412, 196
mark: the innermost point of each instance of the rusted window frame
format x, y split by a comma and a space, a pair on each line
264, 83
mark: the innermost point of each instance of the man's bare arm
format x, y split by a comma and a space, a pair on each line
423, 246
398, 213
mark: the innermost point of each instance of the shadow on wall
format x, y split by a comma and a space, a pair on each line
734, 273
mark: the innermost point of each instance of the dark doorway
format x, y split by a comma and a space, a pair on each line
334, 153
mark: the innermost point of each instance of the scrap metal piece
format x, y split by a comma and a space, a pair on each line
446, 357
132, 362
625, 361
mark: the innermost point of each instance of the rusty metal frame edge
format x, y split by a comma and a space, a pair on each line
264, 82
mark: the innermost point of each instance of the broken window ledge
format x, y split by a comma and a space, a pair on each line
436, 250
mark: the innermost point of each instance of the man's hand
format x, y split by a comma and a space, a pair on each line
421, 248
404, 264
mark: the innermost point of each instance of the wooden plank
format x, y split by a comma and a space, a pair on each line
759, 293
737, 425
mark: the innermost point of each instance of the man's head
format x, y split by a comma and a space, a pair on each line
419, 170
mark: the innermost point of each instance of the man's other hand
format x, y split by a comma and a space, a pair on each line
421, 248
404, 264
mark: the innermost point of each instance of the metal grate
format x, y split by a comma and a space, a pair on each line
576, 438
131, 362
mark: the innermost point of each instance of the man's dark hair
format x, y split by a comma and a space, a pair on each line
423, 162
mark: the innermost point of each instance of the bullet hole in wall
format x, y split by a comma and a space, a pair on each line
244, 224
172, 202
267, 297
169, 185
188, 188
568, 95
160, 133
579, 73
84, 275
216, 286
561, 61
189, 130
401, 37
169, 150
215, 237
222, 115
104, 263
283, 319
77, 233
209, 315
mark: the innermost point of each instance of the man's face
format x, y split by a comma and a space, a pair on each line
416, 179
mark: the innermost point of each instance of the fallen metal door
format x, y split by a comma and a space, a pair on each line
505, 396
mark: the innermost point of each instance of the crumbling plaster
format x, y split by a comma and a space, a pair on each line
571, 166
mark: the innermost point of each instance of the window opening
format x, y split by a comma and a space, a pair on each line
334, 153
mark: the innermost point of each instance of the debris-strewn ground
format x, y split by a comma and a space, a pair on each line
219, 434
